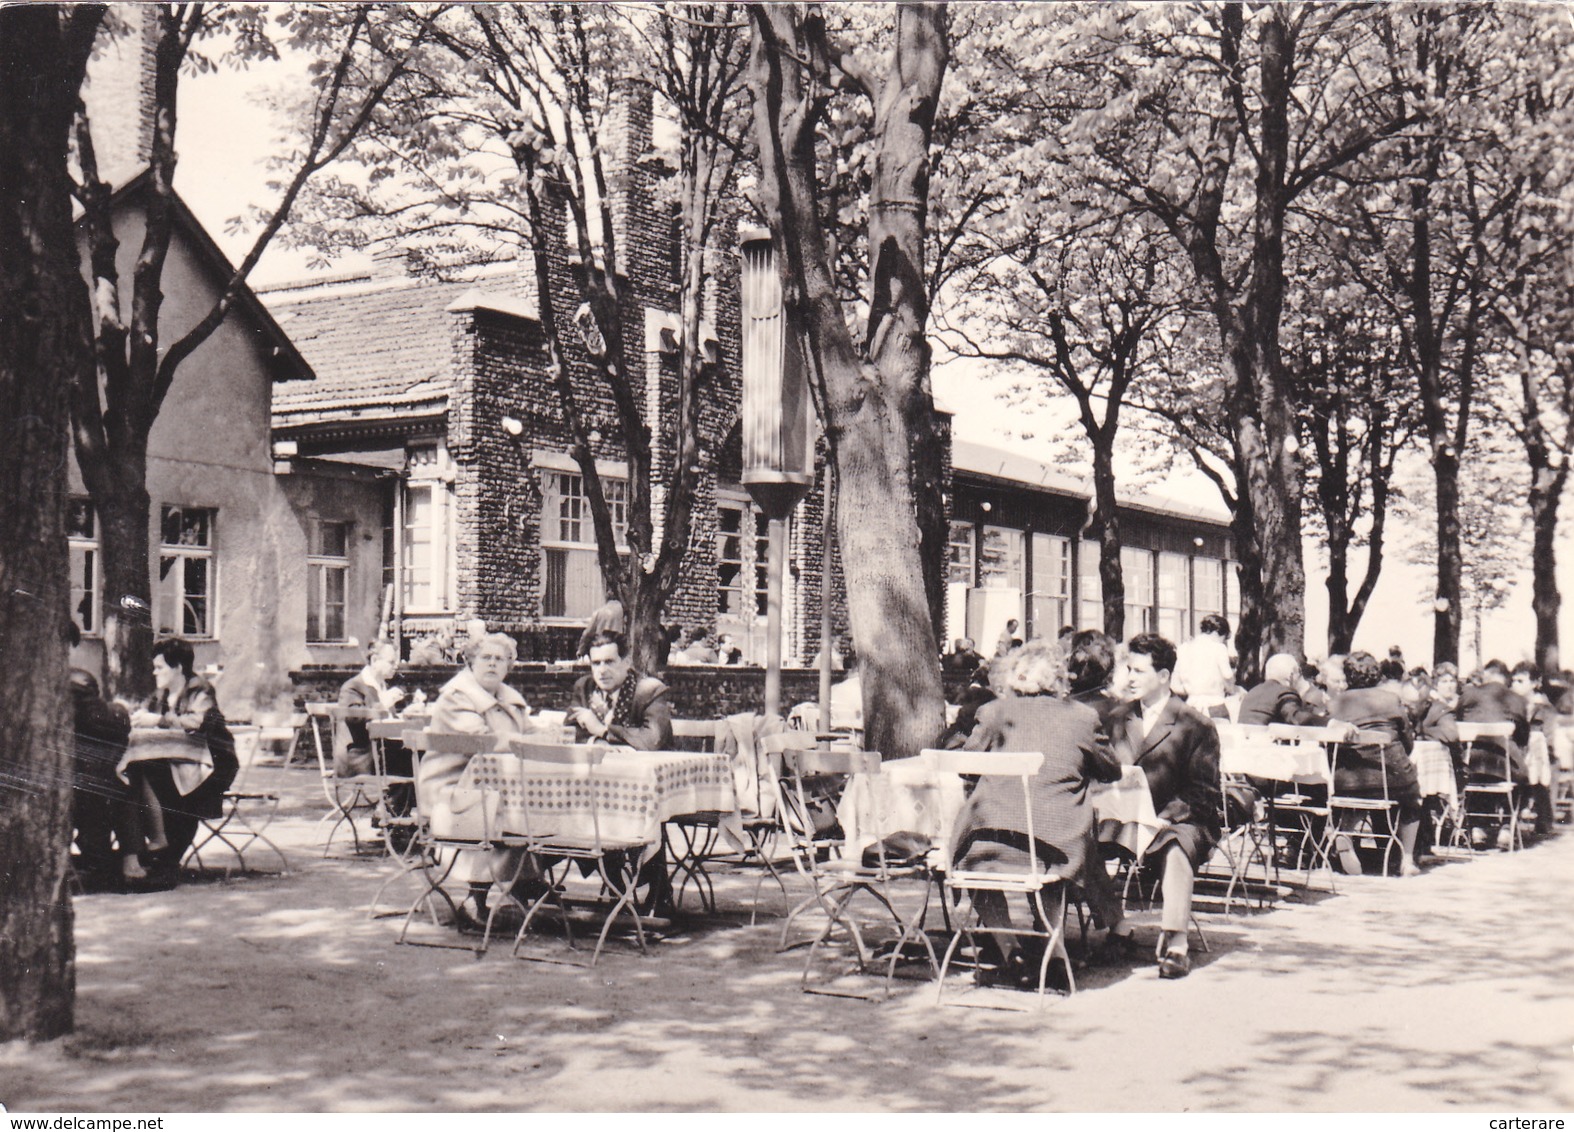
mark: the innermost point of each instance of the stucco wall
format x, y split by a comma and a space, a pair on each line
209, 447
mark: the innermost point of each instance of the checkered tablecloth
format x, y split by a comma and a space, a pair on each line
633, 792
1434, 770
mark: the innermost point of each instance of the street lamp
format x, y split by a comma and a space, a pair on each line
778, 443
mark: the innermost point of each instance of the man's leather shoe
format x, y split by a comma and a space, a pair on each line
1175, 965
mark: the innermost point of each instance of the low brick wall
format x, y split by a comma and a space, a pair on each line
698, 691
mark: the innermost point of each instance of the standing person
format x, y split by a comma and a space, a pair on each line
182, 702
1178, 749
1381, 769
1008, 639
1204, 670
607, 618
991, 829
477, 702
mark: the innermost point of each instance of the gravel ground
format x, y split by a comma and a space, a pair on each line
1448, 992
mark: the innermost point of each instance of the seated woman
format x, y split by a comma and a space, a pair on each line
1369, 771
476, 702
991, 830
165, 808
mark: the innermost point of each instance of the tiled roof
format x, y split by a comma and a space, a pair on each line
380, 346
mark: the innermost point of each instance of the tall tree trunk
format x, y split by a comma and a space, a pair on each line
1546, 490
120, 494
875, 401
1249, 633
1341, 629
45, 341
1450, 559
1105, 527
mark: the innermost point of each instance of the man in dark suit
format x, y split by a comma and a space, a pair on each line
352, 745
1490, 760
1178, 748
1278, 698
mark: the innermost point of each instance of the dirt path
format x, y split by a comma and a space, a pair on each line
1454, 991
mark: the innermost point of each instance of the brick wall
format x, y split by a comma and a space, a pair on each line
697, 691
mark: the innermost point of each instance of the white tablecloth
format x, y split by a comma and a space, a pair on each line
188, 758
910, 794
1128, 804
1281, 762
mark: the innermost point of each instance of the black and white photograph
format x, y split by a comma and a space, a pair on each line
786, 558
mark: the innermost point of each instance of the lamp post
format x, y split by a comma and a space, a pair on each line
778, 444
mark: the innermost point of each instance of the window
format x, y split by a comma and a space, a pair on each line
425, 535
1000, 559
1136, 567
184, 596
743, 554
568, 539
420, 555
1232, 592
959, 559
1050, 599
327, 578
82, 529
1174, 598
1090, 588
1207, 590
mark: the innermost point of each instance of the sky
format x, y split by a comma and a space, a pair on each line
225, 138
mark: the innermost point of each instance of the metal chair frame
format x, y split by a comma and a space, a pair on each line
839, 881
1471, 734
580, 762
1031, 883
434, 846
1365, 809
234, 828
1242, 844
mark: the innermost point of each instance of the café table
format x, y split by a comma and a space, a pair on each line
190, 762
911, 795
628, 798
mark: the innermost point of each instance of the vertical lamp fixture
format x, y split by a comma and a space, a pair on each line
778, 443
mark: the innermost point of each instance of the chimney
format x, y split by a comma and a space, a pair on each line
119, 93
394, 261
642, 237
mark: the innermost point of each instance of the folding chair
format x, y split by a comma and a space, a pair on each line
809, 827
1310, 814
463, 820
1032, 882
287, 735
345, 794
1242, 836
579, 763
699, 832
839, 881
1362, 812
1563, 769
247, 813
1492, 797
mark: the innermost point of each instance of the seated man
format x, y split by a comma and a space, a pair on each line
352, 746
1278, 699
98, 796
964, 658
1178, 748
1492, 760
617, 705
